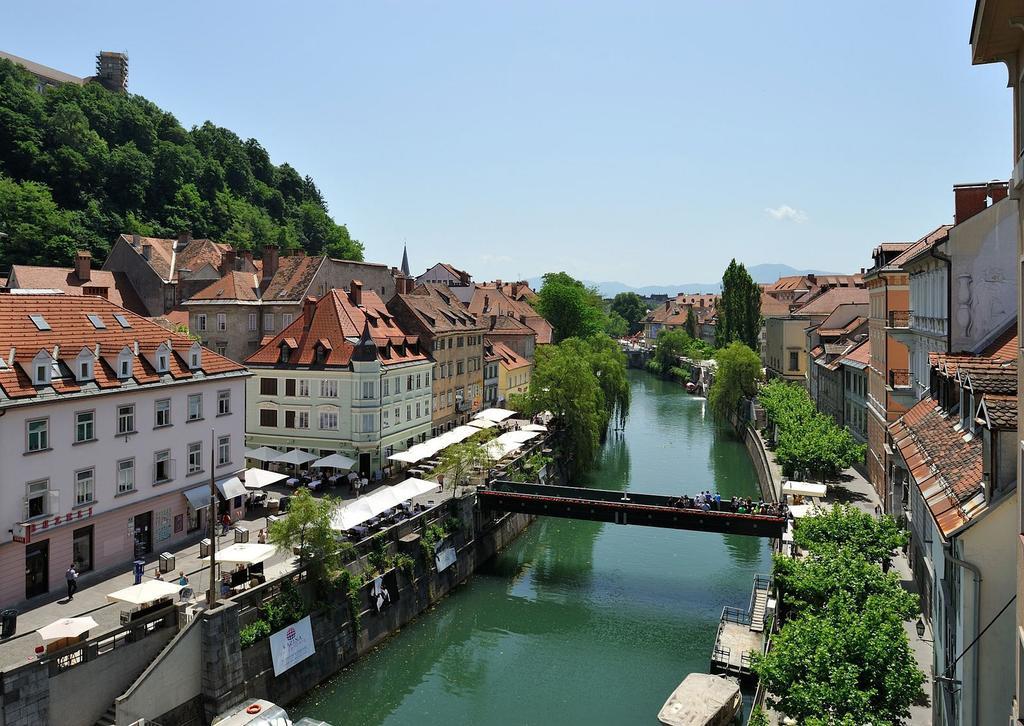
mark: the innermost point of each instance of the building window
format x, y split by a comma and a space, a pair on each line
408, 412
449, 369
223, 450
195, 406
222, 321
303, 388
223, 403
328, 388
386, 418
221, 349
460, 368
195, 457
126, 419
418, 414
268, 386
85, 486
163, 412
794, 360
367, 423
201, 322
126, 367
419, 382
125, 476
162, 466
302, 419
386, 387
460, 342
36, 495
161, 362
85, 426
286, 320
252, 322
329, 420
398, 415
268, 321
442, 371
368, 389
268, 417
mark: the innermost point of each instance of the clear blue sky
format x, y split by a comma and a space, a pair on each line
639, 142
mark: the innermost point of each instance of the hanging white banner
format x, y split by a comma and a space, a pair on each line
292, 645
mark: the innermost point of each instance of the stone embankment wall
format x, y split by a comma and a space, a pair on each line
759, 456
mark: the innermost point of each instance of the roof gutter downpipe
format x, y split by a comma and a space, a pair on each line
947, 551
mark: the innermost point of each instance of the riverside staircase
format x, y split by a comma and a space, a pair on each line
742, 632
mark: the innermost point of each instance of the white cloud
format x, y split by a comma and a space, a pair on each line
786, 212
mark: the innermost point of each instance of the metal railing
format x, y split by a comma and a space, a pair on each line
735, 615
88, 650
899, 318
899, 378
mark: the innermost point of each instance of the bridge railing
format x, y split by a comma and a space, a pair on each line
735, 615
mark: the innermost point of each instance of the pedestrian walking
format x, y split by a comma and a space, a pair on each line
261, 538
225, 523
156, 574
72, 579
186, 592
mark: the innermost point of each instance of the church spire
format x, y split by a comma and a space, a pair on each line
405, 261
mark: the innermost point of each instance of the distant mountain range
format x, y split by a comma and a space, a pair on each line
767, 272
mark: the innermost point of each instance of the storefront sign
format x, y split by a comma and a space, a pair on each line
23, 531
292, 645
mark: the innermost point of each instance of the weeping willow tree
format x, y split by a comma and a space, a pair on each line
584, 384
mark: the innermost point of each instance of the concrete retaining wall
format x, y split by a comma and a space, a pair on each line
170, 682
755, 448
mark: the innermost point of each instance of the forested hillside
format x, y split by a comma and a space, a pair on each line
79, 165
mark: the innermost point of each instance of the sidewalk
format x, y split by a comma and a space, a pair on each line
853, 489
92, 600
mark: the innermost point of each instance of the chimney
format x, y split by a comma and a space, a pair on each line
147, 252
997, 191
269, 261
184, 238
487, 303
136, 239
227, 261
355, 292
968, 200
247, 257
667, 303
308, 306
515, 290
497, 284
83, 265
812, 278
464, 278
494, 321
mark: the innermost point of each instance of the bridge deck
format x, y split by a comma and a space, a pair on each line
605, 505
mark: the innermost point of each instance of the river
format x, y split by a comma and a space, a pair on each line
577, 622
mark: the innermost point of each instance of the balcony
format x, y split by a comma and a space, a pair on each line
463, 406
901, 387
898, 325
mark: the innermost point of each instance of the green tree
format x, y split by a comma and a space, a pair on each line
631, 307
113, 163
669, 346
691, 323
459, 461
849, 528
842, 665
739, 308
736, 377
573, 309
616, 325
307, 527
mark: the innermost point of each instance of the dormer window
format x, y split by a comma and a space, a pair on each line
124, 364
195, 356
320, 352
84, 366
42, 369
161, 362
286, 353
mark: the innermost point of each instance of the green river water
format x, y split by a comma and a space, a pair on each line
576, 622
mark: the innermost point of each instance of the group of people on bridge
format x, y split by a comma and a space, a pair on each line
713, 502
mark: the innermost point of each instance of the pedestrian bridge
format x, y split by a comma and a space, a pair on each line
617, 507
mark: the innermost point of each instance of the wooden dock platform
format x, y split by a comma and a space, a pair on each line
741, 632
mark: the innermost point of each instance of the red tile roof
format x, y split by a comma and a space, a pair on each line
167, 261
945, 464
233, 286
114, 286
293, 277
998, 410
936, 236
860, 356
337, 325
437, 309
506, 356
829, 299
70, 331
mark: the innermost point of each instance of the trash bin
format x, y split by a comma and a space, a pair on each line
204, 547
166, 562
241, 534
8, 623
140, 566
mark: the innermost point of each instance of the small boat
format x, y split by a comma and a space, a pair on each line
702, 700
691, 387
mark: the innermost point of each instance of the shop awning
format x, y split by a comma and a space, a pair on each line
147, 592
804, 489
519, 436
231, 487
199, 496
535, 427
246, 553
481, 423
416, 453
368, 507
495, 414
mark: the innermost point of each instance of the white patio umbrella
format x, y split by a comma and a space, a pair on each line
481, 423
263, 453
334, 461
247, 553
804, 489
535, 427
413, 455
519, 436
352, 515
495, 414
259, 478
296, 457
146, 592
66, 628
